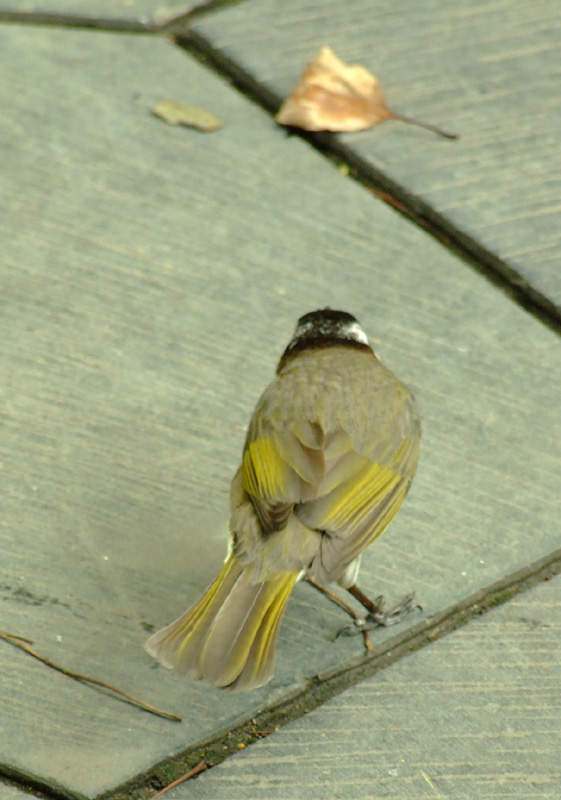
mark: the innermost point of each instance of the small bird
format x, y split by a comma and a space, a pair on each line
330, 453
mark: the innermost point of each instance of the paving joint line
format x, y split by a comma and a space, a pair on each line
35, 786
318, 690
321, 688
162, 24
482, 260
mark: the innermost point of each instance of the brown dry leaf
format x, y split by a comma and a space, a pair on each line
332, 96
175, 113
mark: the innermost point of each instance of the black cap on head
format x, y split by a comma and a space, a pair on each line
325, 328
325, 321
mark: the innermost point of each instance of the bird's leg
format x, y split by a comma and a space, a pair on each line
377, 615
358, 623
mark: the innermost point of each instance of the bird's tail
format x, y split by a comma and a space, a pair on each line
228, 637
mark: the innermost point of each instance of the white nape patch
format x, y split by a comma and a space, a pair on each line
303, 328
353, 331
337, 328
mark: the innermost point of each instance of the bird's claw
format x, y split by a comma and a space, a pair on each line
394, 615
380, 617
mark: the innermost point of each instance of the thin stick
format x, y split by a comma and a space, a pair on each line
427, 125
24, 644
345, 606
200, 767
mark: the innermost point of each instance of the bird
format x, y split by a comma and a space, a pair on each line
330, 453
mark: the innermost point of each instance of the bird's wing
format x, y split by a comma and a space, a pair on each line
280, 468
346, 479
363, 487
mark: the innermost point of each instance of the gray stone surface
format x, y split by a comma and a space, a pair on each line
477, 714
8, 792
151, 277
489, 71
121, 9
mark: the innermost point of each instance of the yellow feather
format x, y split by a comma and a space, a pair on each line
358, 537
357, 498
260, 658
270, 595
383, 519
263, 470
189, 625
177, 645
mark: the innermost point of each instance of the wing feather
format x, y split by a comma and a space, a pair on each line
279, 471
341, 470
360, 496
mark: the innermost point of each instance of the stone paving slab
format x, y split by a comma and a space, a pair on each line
489, 71
12, 793
477, 714
151, 277
126, 256
118, 9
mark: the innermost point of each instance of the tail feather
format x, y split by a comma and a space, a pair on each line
237, 642
260, 664
228, 637
177, 645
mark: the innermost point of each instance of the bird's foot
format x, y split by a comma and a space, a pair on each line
380, 617
357, 621
377, 616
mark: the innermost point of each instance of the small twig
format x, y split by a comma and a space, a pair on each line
200, 767
15, 636
345, 606
24, 644
427, 125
